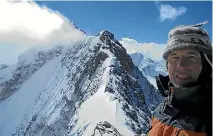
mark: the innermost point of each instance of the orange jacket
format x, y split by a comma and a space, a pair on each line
182, 117
163, 124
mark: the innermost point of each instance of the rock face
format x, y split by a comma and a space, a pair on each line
105, 129
89, 88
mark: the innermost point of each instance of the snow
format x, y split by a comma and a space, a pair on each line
137, 58
149, 68
51, 93
15, 107
28, 56
6, 73
105, 106
107, 110
152, 80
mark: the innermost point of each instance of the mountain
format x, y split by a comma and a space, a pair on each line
2, 66
105, 128
90, 88
6, 72
149, 67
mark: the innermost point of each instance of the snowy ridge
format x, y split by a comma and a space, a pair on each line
77, 90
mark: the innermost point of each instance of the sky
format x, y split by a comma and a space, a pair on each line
139, 20
141, 26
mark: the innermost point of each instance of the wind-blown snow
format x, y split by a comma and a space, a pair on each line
27, 57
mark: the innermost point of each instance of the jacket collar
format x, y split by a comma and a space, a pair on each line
165, 86
162, 84
192, 100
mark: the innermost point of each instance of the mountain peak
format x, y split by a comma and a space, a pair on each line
106, 33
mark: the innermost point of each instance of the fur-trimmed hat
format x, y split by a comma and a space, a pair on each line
192, 36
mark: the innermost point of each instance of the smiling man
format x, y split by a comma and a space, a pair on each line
184, 67
187, 108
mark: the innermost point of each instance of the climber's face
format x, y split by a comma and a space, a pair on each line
184, 67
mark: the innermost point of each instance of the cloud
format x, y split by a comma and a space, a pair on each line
26, 24
152, 50
169, 12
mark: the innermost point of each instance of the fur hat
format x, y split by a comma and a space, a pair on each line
192, 36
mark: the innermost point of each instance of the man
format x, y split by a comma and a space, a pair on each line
187, 108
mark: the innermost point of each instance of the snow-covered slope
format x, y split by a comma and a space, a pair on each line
76, 91
149, 67
28, 63
6, 72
